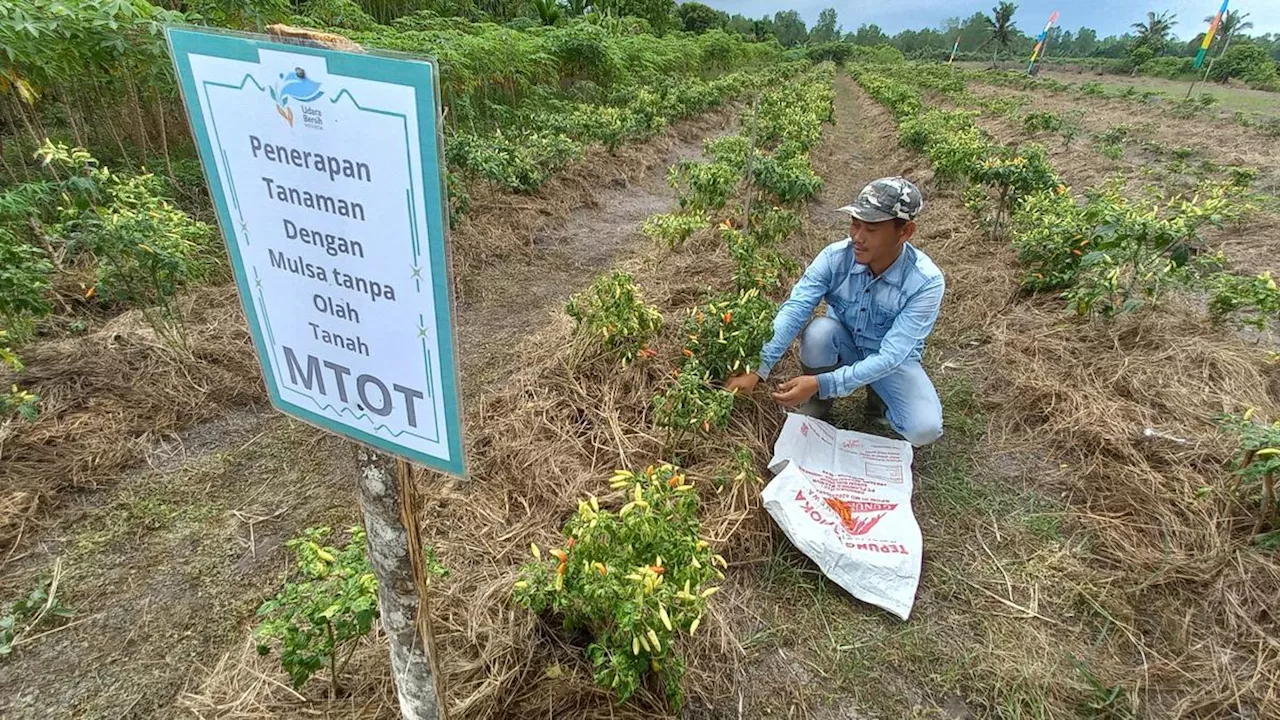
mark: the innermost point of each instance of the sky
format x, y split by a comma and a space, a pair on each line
1108, 17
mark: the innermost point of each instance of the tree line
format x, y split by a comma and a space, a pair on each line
995, 31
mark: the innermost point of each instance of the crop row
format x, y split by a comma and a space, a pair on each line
638, 579
1106, 253
1180, 106
519, 103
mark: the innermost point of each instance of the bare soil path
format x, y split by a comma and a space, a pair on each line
511, 299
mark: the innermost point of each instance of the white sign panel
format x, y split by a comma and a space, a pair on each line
325, 170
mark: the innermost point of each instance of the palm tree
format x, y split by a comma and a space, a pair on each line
1155, 32
1232, 24
548, 11
1001, 26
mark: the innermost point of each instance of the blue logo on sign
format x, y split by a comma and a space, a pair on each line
294, 85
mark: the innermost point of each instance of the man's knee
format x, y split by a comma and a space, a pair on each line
818, 343
922, 430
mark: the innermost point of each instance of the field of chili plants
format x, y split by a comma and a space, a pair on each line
1106, 357
100, 160
1123, 297
117, 330
637, 578
119, 337
1110, 252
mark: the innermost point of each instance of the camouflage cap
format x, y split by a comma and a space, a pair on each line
886, 199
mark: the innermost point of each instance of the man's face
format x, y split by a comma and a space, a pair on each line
878, 243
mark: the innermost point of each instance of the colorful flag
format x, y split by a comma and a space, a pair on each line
1040, 40
1208, 36
954, 49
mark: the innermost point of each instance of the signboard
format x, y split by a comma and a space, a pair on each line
325, 169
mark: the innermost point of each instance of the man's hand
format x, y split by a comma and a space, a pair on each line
797, 390
742, 384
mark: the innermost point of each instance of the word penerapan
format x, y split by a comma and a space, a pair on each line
335, 167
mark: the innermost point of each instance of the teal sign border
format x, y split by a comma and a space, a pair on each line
416, 73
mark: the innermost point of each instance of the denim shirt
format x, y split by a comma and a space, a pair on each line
888, 316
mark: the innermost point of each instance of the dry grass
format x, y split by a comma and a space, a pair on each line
105, 396
1180, 599
1148, 581
1169, 538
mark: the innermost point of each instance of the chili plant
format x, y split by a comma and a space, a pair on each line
673, 229
19, 402
317, 619
25, 280
706, 186
637, 580
691, 403
759, 265
1256, 298
727, 333
1257, 462
613, 311
1038, 122
1013, 175
40, 607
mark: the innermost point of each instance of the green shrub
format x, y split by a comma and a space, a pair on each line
1256, 298
759, 264
673, 229
1012, 175
583, 51
145, 248
1092, 88
316, 619
1121, 280
877, 54
704, 186
338, 14
836, 52
1051, 234
727, 333
25, 280
521, 161
1249, 63
1172, 68
772, 225
1113, 254
787, 181
20, 402
691, 404
613, 313
39, 608
1038, 122
1257, 464
637, 580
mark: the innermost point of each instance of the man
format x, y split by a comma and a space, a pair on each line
883, 297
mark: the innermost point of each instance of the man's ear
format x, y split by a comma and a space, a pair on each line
907, 231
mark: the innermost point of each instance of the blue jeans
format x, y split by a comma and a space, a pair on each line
911, 402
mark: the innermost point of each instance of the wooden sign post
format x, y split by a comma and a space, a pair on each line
325, 165
395, 551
